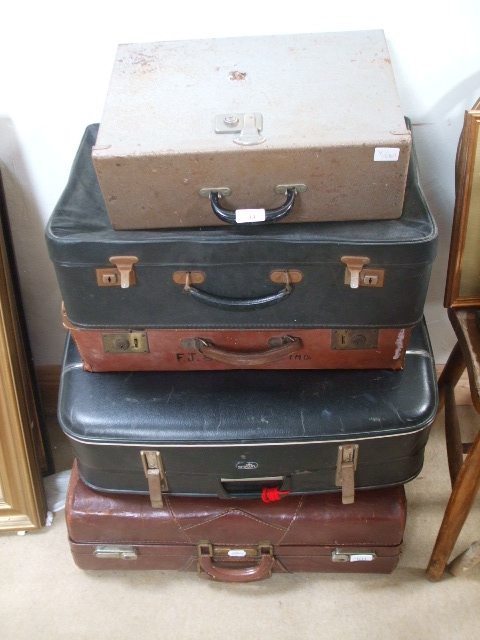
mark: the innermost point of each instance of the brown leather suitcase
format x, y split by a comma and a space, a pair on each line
238, 541
215, 349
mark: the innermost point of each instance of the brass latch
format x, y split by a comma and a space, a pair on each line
123, 275
347, 460
125, 342
354, 339
155, 474
356, 275
109, 551
354, 265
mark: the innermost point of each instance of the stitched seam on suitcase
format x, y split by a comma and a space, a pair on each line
297, 510
243, 514
172, 514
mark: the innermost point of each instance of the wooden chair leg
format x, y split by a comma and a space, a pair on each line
461, 500
453, 436
451, 373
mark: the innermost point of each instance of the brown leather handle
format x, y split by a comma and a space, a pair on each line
288, 346
244, 574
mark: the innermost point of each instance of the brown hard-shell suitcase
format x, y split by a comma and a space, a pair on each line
242, 541
289, 128
215, 349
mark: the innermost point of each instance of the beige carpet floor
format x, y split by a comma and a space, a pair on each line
43, 595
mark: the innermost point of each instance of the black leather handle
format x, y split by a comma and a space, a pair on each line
238, 304
271, 215
244, 489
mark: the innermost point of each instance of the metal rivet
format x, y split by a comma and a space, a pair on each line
231, 120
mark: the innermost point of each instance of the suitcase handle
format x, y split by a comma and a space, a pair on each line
288, 345
263, 569
253, 488
271, 215
238, 304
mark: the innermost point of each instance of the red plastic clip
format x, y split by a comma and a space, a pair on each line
270, 494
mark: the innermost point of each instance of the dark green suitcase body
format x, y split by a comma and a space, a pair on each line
329, 275
242, 433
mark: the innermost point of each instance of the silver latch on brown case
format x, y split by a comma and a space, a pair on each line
155, 474
347, 460
353, 555
109, 551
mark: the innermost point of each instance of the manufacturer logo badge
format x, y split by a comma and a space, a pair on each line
243, 465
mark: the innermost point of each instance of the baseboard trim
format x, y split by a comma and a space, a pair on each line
48, 377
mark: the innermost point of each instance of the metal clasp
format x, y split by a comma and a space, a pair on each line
125, 342
351, 339
248, 125
125, 265
155, 474
115, 551
122, 276
354, 265
357, 276
353, 555
347, 461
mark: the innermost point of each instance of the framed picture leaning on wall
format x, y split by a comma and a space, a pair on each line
22, 454
463, 275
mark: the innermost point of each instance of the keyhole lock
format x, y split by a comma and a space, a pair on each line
351, 339
125, 342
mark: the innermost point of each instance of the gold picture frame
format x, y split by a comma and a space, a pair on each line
22, 497
463, 275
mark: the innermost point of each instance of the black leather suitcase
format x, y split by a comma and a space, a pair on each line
249, 433
330, 275
236, 541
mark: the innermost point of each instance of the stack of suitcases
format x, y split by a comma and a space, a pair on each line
243, 252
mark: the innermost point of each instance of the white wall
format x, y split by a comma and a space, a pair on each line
55, 64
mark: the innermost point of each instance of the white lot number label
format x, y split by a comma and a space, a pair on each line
386, 154
249, 215
362, 557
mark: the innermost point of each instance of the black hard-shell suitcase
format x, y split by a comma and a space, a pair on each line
331, 275
248, 433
